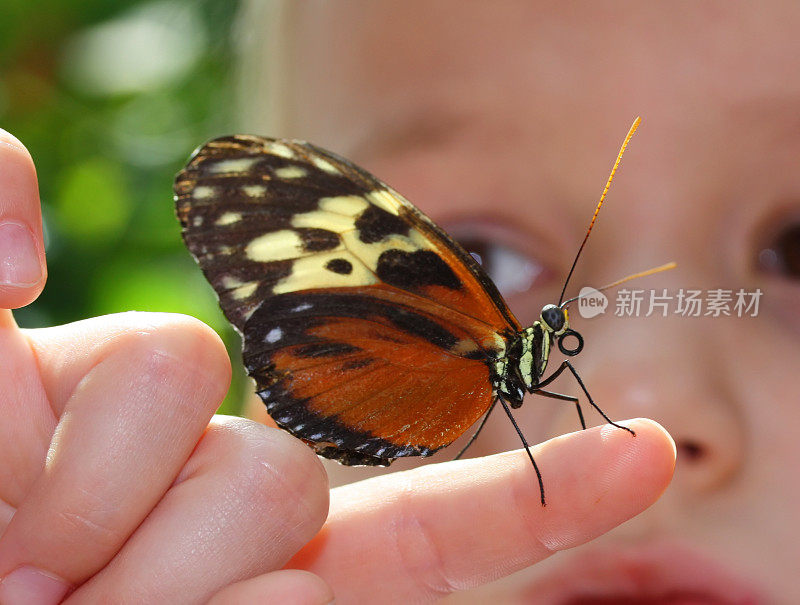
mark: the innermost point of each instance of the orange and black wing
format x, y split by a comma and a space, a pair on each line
370, 333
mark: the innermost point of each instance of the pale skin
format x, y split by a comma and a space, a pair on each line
513, 116
504, 123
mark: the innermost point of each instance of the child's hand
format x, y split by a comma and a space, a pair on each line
111, 477
116, 484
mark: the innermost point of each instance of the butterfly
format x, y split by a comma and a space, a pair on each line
371, 334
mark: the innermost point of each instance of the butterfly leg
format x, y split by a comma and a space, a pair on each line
574, 400
566, 365
526, 446
477, 432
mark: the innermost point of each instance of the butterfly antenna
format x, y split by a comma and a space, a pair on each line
659, 269
633, 128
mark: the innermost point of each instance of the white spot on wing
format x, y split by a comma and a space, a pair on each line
197, 220
254, 190
318, 219
228, 218
274, 335
324, 165
336, 214
291, 172
229, 282
274, 246
280, 150
203, 192
349, 205
236, 165
302, 307
245, 290
323, 220
384, 200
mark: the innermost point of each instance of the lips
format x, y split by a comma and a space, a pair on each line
653, 575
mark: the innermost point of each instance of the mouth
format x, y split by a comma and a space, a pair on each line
653, 575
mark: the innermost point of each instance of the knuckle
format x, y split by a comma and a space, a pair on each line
93, 521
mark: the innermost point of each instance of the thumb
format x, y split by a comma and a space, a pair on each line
22, 263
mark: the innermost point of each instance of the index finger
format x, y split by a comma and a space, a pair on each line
22, 262
421, 534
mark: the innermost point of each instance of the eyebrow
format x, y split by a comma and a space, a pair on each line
421, 128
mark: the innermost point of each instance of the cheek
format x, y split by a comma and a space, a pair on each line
762, 363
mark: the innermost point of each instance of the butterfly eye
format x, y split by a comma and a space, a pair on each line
512, 271
782, 254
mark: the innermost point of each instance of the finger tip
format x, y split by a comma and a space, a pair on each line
647, 426
209, 342
16, 297
9, 140
652, 448
637, 469
598, 478
202, 348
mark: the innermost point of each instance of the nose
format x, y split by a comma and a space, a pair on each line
666, 371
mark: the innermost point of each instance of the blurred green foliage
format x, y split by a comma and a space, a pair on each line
110, 98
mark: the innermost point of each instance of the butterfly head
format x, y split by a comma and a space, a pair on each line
555, 319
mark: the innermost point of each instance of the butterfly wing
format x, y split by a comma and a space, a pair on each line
368, 330
368, 379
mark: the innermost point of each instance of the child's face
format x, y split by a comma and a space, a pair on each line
501, 122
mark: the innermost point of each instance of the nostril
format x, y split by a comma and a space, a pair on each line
692, 451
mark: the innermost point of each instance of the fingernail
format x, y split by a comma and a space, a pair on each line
19, 259
32, 586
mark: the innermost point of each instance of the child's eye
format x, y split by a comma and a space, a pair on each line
782, 254
512, 271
